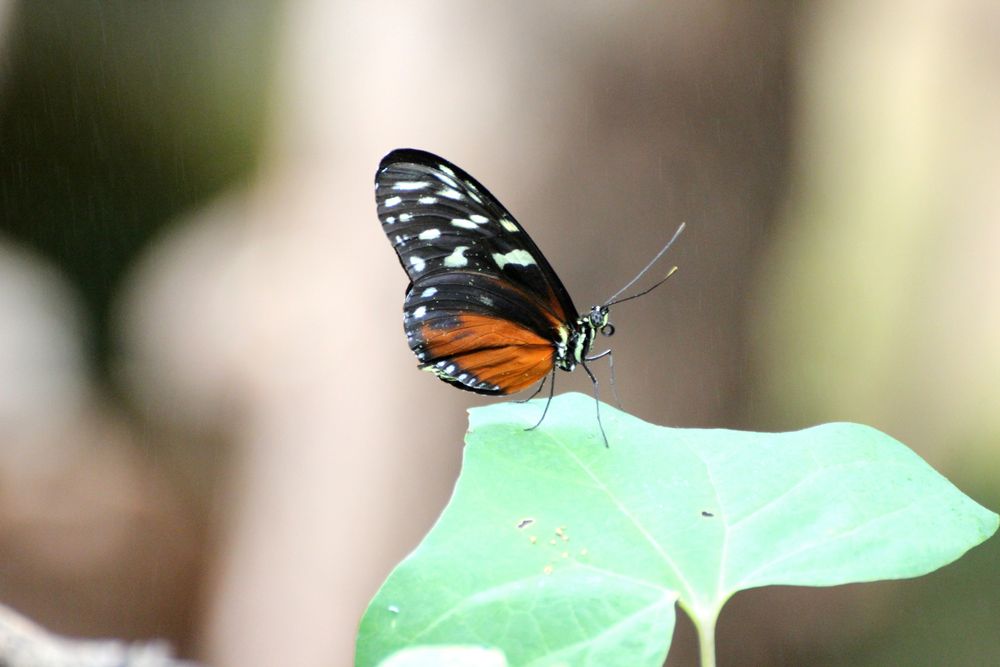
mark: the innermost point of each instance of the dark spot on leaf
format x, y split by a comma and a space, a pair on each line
706, 513
525, 522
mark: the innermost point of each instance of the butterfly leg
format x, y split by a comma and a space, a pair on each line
597, 400
611, 366
552, 390
537, 391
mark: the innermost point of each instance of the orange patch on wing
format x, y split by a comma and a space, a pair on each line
471, 332
492, 350
511, 368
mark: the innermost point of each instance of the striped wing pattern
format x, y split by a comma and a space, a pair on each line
484, 310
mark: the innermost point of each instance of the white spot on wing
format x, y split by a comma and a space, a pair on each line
429, 292
405, 217
429, 234
427, 199
446, 179
420, 312
508, 225
417, 263
479, 219
390, 220
446, 169
464, 224
392, 201
520, 257
450, 193
457, 258
410, 185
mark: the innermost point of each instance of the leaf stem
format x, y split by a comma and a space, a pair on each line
706, 641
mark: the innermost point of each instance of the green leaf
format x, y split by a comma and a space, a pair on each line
557, 550
445, 656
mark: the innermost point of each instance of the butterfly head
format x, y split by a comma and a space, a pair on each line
598, 320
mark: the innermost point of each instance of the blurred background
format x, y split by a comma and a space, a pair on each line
211, 428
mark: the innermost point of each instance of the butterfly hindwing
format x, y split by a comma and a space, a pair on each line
479, 332
441, 220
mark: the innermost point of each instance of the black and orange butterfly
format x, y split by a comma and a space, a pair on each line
484, 310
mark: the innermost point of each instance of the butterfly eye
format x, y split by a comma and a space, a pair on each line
608, 330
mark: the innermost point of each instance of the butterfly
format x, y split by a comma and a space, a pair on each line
484, 310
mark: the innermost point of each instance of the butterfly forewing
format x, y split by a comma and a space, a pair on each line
440, 220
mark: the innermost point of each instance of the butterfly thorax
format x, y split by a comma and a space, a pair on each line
576, 339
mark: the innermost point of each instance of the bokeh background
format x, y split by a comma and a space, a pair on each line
211, 428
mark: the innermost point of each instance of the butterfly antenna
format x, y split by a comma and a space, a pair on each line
647, 290
611, 301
